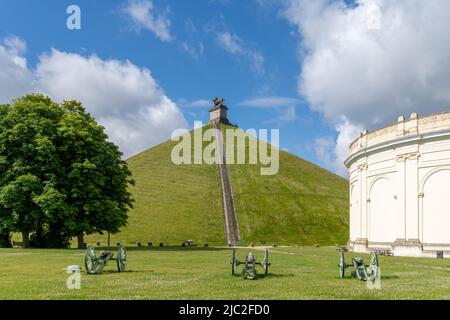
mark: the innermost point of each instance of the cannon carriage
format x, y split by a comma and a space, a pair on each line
95, 264
361, 271
249, 271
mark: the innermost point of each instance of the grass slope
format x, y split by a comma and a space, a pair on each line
302, 204
170, 273
173, 202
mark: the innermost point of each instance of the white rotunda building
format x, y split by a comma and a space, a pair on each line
400, 187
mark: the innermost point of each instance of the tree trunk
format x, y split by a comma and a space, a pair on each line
25, 239
80, 238
5, 238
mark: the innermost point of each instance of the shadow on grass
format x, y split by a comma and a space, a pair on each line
275, 275
166, 248
112, 271
389, 277
354, 278
260, 276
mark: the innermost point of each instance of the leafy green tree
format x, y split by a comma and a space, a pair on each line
96, 178
28, 158
5, 234
59, 175
55, 234
17, 196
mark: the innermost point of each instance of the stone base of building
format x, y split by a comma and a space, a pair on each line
407, 248
431, 250
402, 248
359, 245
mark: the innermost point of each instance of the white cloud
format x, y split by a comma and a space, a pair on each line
332, 153
200, 103
234, 45
370, 62
347, 133
123, 97
193, 45
323, 149
257, 61
144, 15
230, 42
284, 116
15, 77
15, 45
284, 106
194, 50
269, 102
289, 115
267, 3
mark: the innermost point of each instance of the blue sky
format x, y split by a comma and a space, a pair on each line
186, 78
320, 71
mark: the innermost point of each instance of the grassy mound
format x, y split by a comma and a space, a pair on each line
303, 204
173, 202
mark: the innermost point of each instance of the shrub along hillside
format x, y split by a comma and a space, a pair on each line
302, 204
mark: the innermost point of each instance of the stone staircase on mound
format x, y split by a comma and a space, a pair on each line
231, 223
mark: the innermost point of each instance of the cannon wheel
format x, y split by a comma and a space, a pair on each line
341, 264
233, 262
121, 259
90, 260
373, 266
266, 262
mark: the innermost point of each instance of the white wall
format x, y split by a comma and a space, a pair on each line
436, 208
382, 212
355, 220
400, 196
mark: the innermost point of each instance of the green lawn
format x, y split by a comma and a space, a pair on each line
183, 273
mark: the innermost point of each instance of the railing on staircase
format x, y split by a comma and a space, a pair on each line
231, 223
